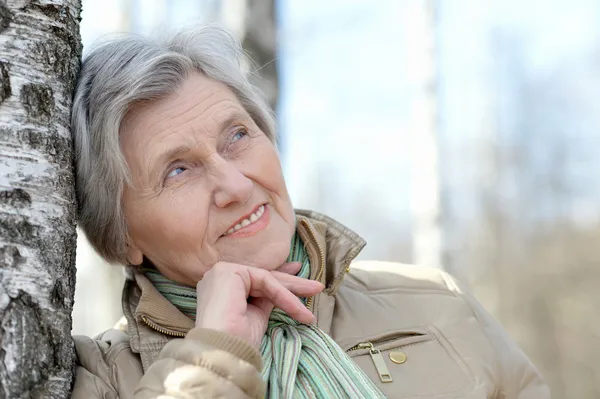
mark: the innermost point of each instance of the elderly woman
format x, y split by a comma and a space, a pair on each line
231, 292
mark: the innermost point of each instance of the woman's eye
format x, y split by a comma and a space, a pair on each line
175, 172
239, 134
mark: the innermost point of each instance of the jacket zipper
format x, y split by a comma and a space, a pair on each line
399, 339
160, 329
310, 300
378, 361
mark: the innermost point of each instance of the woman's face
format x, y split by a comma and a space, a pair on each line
207, 185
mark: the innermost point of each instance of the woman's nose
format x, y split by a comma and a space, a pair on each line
231, 185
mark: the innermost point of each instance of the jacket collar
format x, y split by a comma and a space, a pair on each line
339, 246
152, 320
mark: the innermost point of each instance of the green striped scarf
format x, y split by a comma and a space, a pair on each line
300, 361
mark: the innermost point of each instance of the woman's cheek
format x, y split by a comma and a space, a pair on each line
269, 166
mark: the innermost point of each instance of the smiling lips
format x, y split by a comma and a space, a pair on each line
251, 224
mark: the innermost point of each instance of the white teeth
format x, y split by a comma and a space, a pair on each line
253, 218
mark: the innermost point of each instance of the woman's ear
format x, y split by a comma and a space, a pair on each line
135, 257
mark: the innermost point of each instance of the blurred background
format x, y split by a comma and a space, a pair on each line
457, 134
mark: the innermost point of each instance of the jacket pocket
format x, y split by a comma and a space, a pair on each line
377, 346
412, 363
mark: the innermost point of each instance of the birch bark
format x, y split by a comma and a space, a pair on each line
40, 51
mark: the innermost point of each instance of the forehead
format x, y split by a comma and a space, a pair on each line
198, 102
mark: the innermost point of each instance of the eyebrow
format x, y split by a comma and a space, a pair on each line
231, 118
173, 153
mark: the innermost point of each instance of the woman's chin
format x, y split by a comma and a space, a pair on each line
270, 256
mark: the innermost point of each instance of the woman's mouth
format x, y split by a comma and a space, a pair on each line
251, 224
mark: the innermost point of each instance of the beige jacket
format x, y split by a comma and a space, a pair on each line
442, 342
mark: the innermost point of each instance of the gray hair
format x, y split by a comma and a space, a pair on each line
121, 73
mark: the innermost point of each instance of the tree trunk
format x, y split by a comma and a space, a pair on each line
425, 180
40, 51
260, 41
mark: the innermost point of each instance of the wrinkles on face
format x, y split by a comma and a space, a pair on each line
227, 168
189, 107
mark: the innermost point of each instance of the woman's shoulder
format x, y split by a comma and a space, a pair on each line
424, 295
388, 296
381, 275
106, 362
106, 346
100, 353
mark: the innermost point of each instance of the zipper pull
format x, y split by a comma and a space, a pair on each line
379, 362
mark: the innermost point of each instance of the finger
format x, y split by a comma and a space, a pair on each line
298, 285
290, 268
265, 285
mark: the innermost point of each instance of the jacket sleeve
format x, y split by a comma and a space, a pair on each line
205, 364
519, 378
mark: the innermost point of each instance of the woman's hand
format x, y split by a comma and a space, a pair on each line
223, 294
